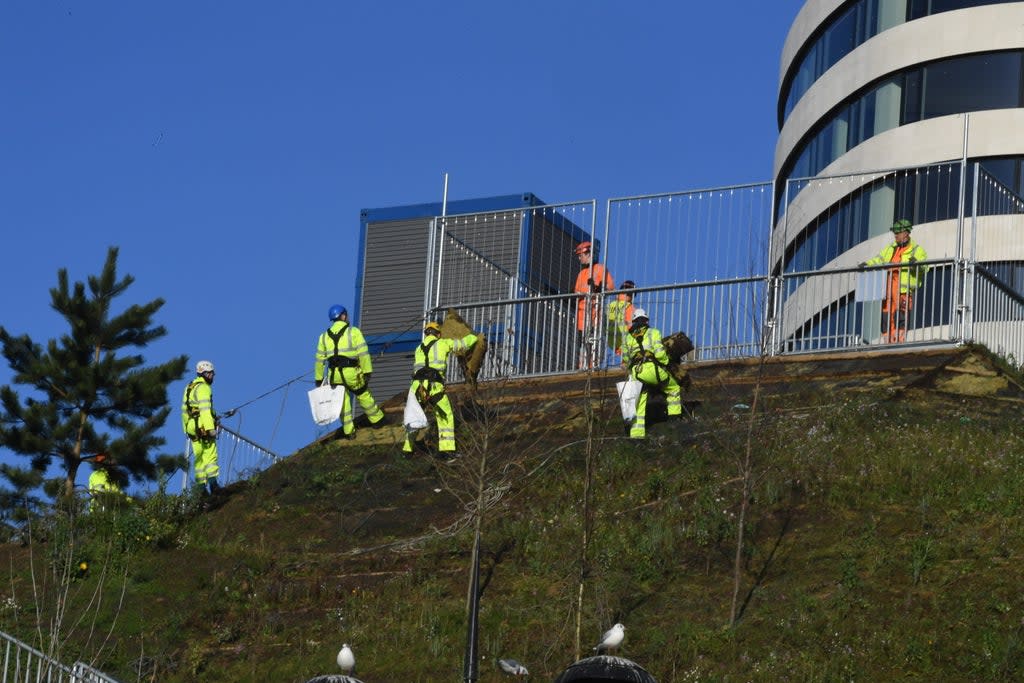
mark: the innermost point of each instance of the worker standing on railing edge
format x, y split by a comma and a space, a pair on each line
200, 423
901, 283
591, 281
647, 361
428, 377
342, 353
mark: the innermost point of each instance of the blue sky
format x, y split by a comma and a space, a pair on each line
227, 147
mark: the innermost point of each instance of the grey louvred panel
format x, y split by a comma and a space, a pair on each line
394, 273
392, 375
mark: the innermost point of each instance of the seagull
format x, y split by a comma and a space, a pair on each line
512, 667
346, 660
611, 639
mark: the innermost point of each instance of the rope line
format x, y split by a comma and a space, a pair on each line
385, 345
265, 394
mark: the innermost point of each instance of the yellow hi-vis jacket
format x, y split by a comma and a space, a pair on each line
341, 346
620, 312
647, 349
910, 278
197, 419
100, 482
433, 355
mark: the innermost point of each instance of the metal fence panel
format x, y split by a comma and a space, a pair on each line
846, 218
508, 254
696, 236
848, 308
24, 663
998, 317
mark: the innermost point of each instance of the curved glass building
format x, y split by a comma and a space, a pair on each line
902, 105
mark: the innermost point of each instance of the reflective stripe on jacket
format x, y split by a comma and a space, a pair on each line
647, 347
910, 278
351, 344
620, 312
197, 407
436, 357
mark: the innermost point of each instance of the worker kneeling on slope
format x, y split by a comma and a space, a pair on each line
428, 378
646, 360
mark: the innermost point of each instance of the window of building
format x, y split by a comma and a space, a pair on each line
849, 29
971, 83
960, 84
1009, 171
923, 195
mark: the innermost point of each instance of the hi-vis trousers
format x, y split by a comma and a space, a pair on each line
435, 396
654, 376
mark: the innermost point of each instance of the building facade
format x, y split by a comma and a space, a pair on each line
901, 105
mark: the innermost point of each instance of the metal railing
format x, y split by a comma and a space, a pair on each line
694, 236
998, 317
849, 308
538, 336
839, 309
25, 664
719, 266
238, 458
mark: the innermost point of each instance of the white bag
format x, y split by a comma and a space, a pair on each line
629, 392
326, 401
871, 286
414, 418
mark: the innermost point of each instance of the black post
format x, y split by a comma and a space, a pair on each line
470, 665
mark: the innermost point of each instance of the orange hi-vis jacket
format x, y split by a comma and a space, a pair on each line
593, 279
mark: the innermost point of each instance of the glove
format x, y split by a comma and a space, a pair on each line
317, 382
862, 264
912, 259
230, 413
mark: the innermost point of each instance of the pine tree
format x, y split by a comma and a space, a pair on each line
87, 392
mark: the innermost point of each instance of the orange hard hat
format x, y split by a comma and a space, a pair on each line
100, 457
582, 247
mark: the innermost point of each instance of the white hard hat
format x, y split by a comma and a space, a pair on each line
638, 313
204, 366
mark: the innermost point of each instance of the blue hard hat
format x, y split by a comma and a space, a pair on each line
337, 310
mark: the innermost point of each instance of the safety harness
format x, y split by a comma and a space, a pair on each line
646, 356
339, 362
193, 410
426, 375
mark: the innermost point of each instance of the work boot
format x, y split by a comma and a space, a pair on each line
382, 422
